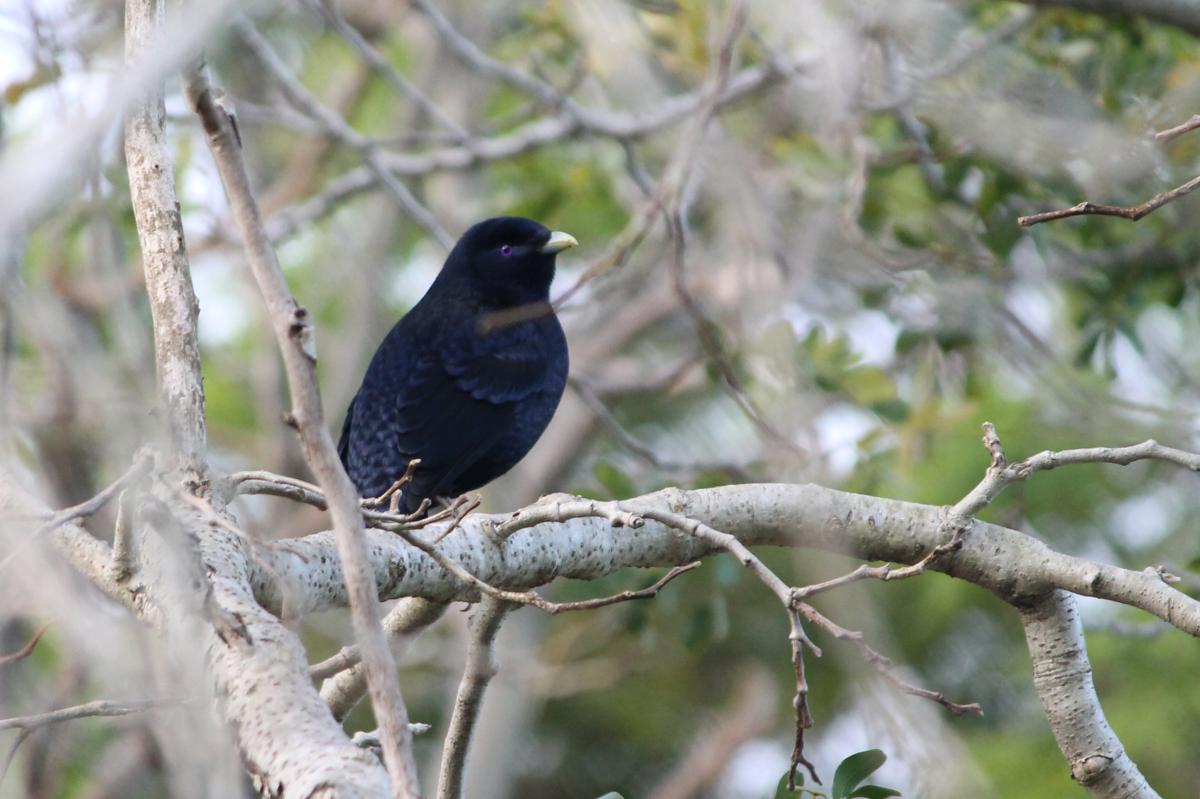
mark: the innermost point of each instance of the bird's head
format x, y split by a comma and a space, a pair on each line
510, 258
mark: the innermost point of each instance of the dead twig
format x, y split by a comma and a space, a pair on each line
1171, 134
100, 707
27, 649
142, 462
1132, 212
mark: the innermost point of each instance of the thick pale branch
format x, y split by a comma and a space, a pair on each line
1015, 566
173, 305
478, 671
1062, 677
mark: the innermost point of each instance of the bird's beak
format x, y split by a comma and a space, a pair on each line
558, 242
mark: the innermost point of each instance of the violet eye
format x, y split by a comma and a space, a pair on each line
506, 250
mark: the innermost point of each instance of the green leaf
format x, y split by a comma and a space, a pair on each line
874, 792
782, 792
853, 770
893, 410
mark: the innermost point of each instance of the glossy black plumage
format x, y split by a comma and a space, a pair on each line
469, 378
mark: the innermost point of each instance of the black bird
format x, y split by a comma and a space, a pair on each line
468, 379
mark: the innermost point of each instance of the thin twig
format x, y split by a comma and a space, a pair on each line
380, 63
101, 707
259, 481
142, 462
883, 664
1002, 474
394, 488
12, 750
27, 649
1132, 213
616, 125
1171, 134
340, 129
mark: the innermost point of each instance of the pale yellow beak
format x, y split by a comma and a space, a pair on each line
558, 242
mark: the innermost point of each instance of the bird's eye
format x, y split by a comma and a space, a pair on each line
506, 250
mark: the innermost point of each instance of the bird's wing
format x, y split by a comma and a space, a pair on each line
500, 369
457, 403
344, 440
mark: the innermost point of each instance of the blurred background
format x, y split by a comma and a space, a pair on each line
855, 298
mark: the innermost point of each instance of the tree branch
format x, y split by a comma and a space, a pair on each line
1062, 677
27, 649
346, 679
620, 126
1132, 213
337, 127
1015, 566
101, 707
478, 671
173, 305
295, 336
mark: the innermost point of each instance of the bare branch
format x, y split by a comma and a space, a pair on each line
1171, 134
1132, 213
341, 130
294, 332
884, 665
142, 462
102, 707
27, 649
1062, 677
616, 125
346, 679
384, 67
478, 671
173, 304
1001, 474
